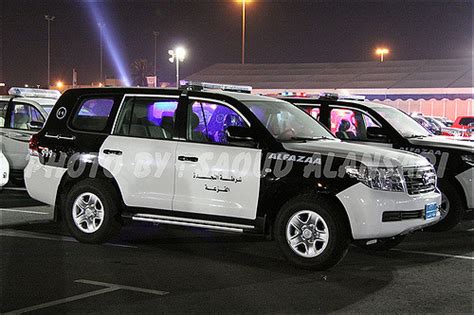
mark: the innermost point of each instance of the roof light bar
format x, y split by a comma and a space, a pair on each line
35, 93
336, 96
199, 86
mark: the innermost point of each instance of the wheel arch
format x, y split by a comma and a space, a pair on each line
68, 181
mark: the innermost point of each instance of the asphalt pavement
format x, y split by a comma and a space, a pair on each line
163, 269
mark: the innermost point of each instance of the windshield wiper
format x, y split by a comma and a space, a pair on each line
418, 136
304, 139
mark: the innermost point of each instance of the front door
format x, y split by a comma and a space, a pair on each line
17, 133
214, 177
140, 153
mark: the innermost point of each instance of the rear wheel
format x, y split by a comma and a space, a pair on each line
312, 232
381, 244
91, 211
452, 208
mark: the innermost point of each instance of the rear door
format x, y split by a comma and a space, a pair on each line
141, 151
214, 177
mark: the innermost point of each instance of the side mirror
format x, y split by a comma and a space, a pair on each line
241, 135
376, 133
35, 125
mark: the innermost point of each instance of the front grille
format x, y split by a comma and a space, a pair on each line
391, 216
420, 180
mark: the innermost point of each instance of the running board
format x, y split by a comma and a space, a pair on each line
211, 225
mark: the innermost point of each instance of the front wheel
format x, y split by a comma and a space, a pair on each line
91, 211
312, 232
452, 209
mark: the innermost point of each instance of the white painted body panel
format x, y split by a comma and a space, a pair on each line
365, 207
238, 198
42, 181
15, 146
466, 179
4, 170
144, 172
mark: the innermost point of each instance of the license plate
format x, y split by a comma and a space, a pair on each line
430, 210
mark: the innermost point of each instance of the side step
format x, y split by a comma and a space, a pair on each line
211, 225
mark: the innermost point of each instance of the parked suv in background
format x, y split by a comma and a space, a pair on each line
465, 123
205, 157
358, 121
22, 113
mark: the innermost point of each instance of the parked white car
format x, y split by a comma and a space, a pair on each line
22, 114
4, 170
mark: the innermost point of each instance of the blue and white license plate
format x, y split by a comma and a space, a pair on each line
430, 210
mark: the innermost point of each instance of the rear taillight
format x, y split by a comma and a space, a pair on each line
34, 145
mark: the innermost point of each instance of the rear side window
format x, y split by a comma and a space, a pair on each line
466, 121
3, 113
93, 114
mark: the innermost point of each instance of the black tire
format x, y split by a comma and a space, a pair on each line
456, 209
108, 196
382, 244
17, 181
337, 226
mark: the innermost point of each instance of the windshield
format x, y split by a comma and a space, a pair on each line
286, 122
406, 125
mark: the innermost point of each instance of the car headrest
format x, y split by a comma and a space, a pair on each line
344, 125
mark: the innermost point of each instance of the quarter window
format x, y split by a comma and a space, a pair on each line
93, 114
147, 118
207, 122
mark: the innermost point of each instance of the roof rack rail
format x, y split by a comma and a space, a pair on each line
35, 93
200, 86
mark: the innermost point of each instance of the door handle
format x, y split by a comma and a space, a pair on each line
114, 152
187, 158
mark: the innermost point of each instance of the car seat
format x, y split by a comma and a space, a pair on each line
343, 132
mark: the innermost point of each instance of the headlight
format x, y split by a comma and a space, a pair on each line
469, 159
378, 178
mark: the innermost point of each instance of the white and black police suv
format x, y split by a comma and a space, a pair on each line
206, 156
356, 120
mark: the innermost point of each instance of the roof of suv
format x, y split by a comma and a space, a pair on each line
37, 100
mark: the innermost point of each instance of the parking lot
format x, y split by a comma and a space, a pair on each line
169, 269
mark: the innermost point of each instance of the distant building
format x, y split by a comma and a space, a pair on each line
441, 87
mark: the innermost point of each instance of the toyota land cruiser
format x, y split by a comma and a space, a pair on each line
210, 156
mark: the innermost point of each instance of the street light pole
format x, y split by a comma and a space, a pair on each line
382, 52
155, 34
101, 28
49, 19
243, 29
177, 56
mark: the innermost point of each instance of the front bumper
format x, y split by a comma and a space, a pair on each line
365, 208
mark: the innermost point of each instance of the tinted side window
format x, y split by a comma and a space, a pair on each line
93, 114
466, 121
147, 118
22, 115
207, 122
3, 113
348, 124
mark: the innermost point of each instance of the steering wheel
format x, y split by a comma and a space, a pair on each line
287, 134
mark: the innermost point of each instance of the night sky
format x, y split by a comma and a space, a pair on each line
286, 31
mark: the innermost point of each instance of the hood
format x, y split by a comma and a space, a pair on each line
368, 155
444, 143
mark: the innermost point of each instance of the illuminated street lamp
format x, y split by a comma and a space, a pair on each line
382, 52
59, 84
177, 56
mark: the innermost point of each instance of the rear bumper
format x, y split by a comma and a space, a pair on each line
366, 207
42, 181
